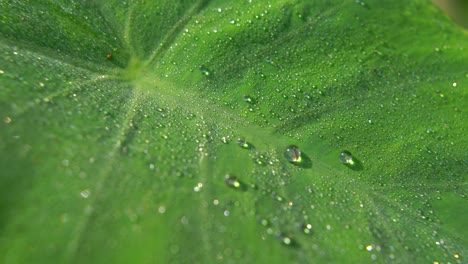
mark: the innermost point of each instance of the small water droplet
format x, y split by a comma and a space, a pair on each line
232, 181
456, 255
306, 228
225, 140
292, 154
277, 197
198, 187
285, 239
369, 247
7, 120
248, 98
204, 71
243, 143
162, 209
85, 193
346, 157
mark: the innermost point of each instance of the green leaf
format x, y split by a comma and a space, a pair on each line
121, 121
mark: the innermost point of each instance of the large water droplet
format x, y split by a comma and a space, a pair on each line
292, 154
346, 157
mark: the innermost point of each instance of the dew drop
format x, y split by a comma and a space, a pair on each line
225, 140
346, 157
285, 239
243, 143
292, 154
232, 181
198, 187
7, 120
204, 71
277, 197
85, 193
306, 229
248, 98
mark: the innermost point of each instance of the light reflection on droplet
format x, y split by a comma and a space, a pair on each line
7, 120
292, 154
198, 187
162, 209
85, 193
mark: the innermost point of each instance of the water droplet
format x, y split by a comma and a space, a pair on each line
225, 140
162, 209
369, 248
198, 187
232, 181
277, 197
7, 120
285, 239
243, 143
204, 71
346, 157
306, 229
292, 154
85, 193
248, 98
